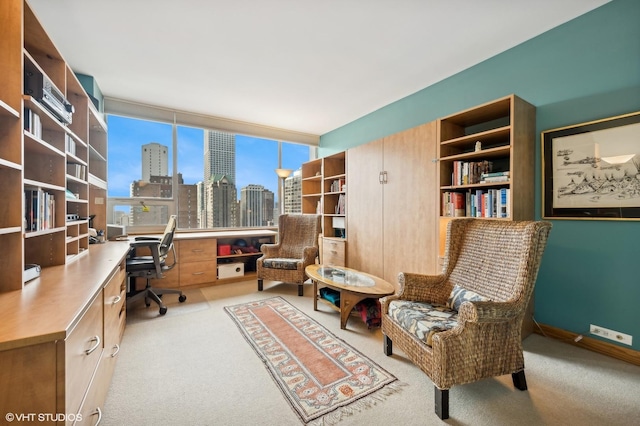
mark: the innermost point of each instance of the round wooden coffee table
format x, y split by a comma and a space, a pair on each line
353, 286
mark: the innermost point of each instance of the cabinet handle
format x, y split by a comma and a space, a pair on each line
116, 300
96, 339
117, 348
198, 273
99, 413
197, 250
385, 177
380, 178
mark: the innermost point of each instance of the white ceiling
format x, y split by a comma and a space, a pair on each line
307, 66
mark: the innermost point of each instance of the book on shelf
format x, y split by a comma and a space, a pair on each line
469, 172
454, 204
494, 177
488, 203
341, 204
39, 209
77, 170
32, 123
337, 185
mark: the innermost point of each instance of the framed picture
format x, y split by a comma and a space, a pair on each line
592, 170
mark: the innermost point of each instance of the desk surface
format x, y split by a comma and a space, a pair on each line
48, 307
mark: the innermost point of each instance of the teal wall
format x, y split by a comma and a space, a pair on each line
586, 69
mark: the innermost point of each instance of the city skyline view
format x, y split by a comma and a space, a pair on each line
256, 158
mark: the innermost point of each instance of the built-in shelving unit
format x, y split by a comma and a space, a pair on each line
486, 161
324, 192
49, 167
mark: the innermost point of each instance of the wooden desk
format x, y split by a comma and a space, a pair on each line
59, 336
354, 286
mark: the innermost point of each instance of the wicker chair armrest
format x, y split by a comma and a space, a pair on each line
488, 311
309, 255
270, 250
423, 288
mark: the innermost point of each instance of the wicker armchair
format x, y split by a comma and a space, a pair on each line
465, 324
297, 247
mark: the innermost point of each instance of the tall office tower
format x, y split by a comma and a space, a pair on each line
188, 207
293, 193
155, 161
219, 154
268, 208
220, 205
252, 205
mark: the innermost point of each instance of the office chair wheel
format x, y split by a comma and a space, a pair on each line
182, 298
163, 310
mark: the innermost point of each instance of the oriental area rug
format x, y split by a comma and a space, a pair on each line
320, 375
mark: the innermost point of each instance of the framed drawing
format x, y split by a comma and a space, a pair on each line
592, 170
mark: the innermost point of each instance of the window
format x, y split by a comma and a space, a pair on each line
223, 180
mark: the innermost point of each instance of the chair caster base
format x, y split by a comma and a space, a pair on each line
182, 298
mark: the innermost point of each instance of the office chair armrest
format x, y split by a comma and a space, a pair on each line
148, 238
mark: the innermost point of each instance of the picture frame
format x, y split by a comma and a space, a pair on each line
592, 170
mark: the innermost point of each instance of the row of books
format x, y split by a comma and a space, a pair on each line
469, 172
490, 203
40, 209
32, 123
338, 185
77, 170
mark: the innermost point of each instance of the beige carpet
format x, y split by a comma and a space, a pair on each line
196, 369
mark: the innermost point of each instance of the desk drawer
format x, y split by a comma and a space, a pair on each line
83, 350
333, 252
198, 273
197, 250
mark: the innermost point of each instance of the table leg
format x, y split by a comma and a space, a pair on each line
315, 295
348, 301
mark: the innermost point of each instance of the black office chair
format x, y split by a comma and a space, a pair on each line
153, 266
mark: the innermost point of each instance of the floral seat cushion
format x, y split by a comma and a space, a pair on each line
423, 320
280, 263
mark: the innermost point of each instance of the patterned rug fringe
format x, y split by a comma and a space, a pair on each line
362, 404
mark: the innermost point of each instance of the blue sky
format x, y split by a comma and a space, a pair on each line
256, 158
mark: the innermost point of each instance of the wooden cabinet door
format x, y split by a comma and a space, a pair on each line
410, 202
364, 208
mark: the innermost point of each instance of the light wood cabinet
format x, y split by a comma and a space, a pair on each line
334, 251
392, 210
198, 261
59, 337
198, 258
44, 159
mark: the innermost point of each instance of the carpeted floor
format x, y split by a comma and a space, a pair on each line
193, 367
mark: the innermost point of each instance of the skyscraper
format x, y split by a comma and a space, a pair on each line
293, 193
252, 205
155, 160
219, 155
220, 203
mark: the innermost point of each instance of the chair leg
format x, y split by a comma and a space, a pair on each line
259, 285
300, 290
387, 345
519, 380
442, 403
